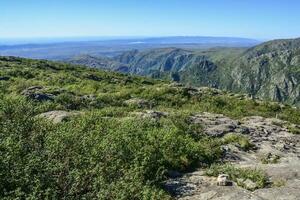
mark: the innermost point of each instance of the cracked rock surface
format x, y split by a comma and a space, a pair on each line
272, 140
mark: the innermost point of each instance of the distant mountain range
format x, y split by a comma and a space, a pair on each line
59, 49
270, 70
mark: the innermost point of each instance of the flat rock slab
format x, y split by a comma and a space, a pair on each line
270, 136
215, 125
288, 192
222, 193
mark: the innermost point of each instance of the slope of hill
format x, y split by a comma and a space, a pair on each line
269, 71
170, 63
155, 61
98, 62
70, 132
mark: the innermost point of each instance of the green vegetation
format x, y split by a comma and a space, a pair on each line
239, 175
270, 159
108, 151
294, 129
241, 140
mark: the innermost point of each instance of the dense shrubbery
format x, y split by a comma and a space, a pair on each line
91, 156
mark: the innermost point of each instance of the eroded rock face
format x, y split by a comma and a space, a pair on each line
58, 116
272, 140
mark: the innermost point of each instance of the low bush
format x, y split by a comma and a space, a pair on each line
241, 140
239, 175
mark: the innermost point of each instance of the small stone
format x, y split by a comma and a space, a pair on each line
223, 180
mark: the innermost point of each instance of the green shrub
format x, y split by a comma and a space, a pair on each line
241, 140
239, 174
270, 159
183, 123
294, 129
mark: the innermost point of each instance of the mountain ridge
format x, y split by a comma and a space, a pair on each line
269, 70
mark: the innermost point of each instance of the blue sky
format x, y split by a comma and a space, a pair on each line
264, 19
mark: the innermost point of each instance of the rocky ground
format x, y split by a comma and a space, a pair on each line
276, 152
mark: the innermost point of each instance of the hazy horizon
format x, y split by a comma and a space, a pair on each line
45, 40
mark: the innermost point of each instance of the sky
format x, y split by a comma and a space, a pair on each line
260, 19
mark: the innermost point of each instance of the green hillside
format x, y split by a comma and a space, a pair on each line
268, 71
71, 132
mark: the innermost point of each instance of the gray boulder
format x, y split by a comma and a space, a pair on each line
215, 125
58, 116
